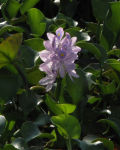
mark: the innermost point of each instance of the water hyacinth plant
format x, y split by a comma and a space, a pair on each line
40, 41
58, 57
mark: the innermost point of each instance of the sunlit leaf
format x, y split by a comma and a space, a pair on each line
68, 126
9, 49
36, 21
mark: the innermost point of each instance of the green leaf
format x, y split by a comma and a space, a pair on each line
112, 75
9, 49
77, 88
92, 27
94, 99
36, 21
52, 105
42, 120
109, 88
114, 52
11, 125
19, 143
2, 123
115, 64
34, 75
113, 123
89, 146
69, 20
107, 143
66, 108
9, 84
59, 108
9, 147
26, 56
91, 48
29, 131
69, 7
27, 4
100, 8
35, 43
10, 28
111, 26
12, 8
79, 34
27, 101
68, 126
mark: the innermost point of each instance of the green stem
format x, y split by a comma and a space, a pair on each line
69, 146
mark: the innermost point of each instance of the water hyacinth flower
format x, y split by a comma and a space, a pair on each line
58, 57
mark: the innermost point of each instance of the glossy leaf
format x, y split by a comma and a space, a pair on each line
100, 8
29, 131
9, 147
35, 43
52, 105
115, 64
66, 108
10, 28
59, 108
114, 52
13, 7
2, 123
36, 21
42, 119
113, 123
89, 146
77, 88
94, 99
68, 126
111, 26
91, 48
19, 143
69, 20
34, 75
27, 4
79, 34
109, 88
107, 143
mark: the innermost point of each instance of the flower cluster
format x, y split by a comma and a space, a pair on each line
58, 58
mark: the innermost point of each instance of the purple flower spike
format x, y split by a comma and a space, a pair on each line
58, 57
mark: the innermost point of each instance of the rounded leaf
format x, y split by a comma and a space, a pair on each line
68, 126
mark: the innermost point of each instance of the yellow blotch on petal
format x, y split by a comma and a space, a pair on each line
62, 54
58, 34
